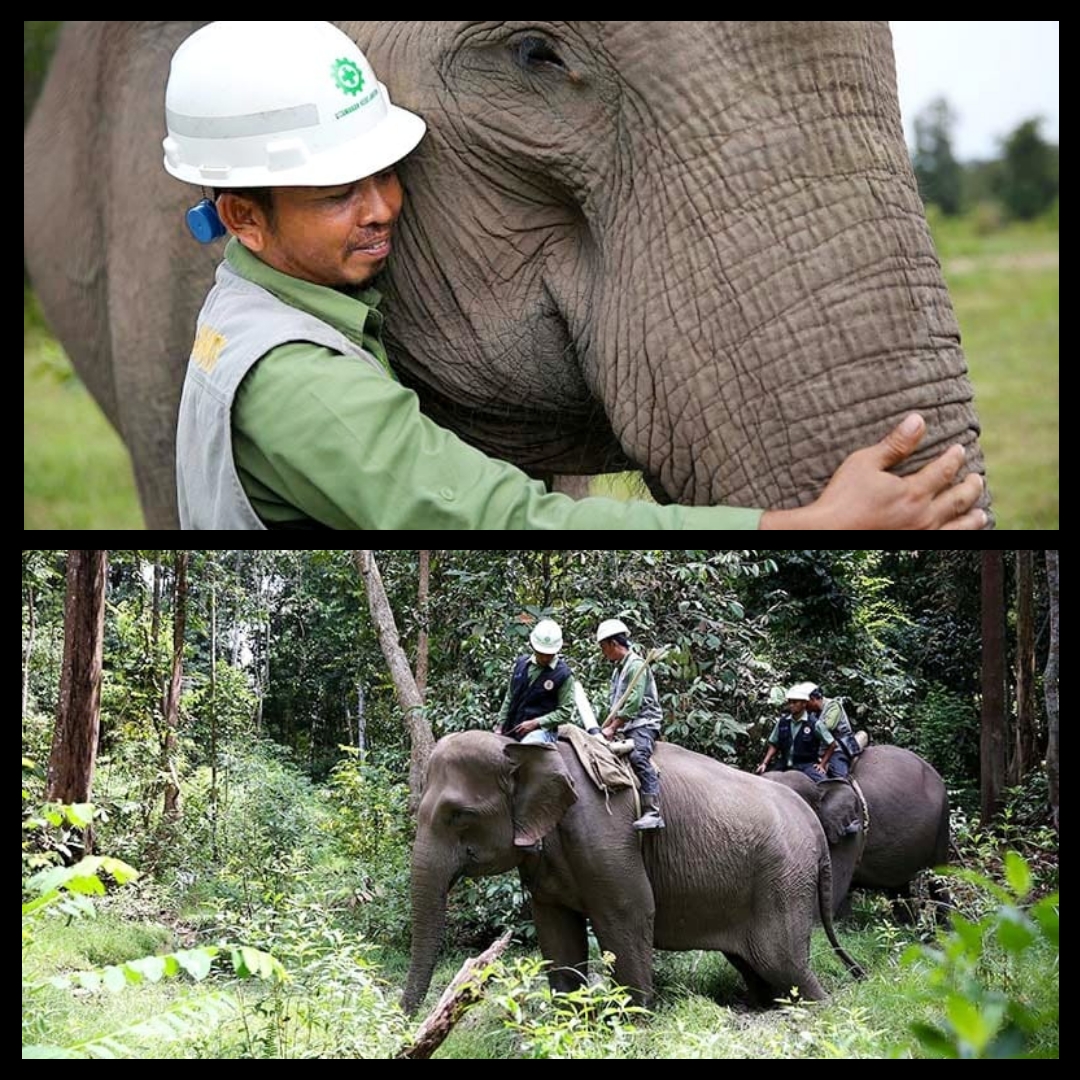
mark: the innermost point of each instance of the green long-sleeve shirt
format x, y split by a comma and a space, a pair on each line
324, 439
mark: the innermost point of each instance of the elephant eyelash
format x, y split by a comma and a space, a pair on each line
533, 52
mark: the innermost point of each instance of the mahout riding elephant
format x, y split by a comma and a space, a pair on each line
663, 245
738, 869
907, 826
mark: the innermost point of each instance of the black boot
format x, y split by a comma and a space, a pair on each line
651, 818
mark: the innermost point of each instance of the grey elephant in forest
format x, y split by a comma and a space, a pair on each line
661, 245
907, 826
735, 870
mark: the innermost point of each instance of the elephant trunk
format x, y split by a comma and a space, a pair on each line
429, 892
793, 307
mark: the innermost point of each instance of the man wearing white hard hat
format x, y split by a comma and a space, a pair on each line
799, 736
635, 714
540, 696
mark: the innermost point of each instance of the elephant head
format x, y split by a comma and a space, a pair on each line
696, 247
485, 800
668, 243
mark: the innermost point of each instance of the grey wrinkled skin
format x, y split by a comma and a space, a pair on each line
665, 244
908, 828
738, 869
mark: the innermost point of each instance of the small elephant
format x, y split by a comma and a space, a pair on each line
908, 828
735, 870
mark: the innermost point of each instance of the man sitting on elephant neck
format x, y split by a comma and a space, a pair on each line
541, 692
798, 736
635, 713
291, 416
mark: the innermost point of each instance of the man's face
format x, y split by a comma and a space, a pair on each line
796, 708
331, 236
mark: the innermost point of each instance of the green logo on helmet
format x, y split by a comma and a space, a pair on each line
347, 77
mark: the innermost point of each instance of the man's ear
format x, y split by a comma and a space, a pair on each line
244, 218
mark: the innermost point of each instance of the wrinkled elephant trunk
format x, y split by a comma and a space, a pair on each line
429, 892
794, 307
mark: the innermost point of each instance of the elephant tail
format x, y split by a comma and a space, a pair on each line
825, 904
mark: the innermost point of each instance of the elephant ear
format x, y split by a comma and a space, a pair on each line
838, 808
542, 791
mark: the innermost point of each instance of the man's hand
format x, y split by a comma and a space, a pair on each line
526, 728
760, 770
863, 495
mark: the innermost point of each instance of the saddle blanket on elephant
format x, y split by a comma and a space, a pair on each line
607, 770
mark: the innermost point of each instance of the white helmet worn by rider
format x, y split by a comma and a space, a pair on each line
801, 692
611, 627
547, 638
276, 104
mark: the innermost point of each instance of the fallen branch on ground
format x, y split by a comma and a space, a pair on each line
465, 991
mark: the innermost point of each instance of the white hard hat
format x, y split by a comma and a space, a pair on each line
546, 637
801, 692
610, 628
268, 104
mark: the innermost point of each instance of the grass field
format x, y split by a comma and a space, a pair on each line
1004, 285
1005, 290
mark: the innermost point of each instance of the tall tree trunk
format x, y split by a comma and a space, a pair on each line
28, 649
409, 697
993, 716
1051, 684
171, 711
1024, 743
424, 614
361, 722
75, 737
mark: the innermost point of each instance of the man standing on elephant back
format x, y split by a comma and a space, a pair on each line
291, 416
541, 692
635, 714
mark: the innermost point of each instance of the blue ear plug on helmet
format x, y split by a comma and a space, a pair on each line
204, 223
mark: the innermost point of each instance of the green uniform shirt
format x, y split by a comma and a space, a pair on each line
323, 439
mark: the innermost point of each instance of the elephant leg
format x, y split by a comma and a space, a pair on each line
628, 935
843, 909
563, 942
781, 964
902, 906
761, 994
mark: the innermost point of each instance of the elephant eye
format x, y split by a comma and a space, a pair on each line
534, 52
461, 817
